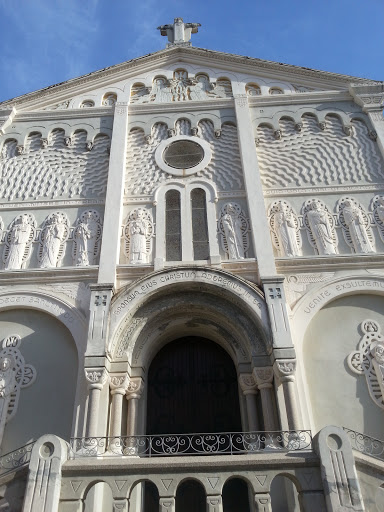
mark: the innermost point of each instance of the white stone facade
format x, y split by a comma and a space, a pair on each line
191, 193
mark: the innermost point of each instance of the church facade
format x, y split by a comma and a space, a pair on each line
192, 288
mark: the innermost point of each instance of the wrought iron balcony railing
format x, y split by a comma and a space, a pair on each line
366, 444
226, 443
15, 460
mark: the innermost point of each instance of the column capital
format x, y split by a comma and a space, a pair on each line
215, 503
96, 377
285, 369
167, 504
263, 502
247, 384
263, 376
118, 383
135, 388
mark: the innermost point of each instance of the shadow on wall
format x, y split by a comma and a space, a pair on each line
47, 405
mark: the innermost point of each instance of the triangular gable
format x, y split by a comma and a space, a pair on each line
113, 80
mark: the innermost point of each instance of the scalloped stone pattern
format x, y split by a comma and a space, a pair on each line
144, 176
318, 157
56, 171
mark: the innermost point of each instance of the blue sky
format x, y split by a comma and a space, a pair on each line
49, 41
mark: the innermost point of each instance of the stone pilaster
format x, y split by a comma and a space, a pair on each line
264, 378
96, 377
260, 233
110, 247
101, 295
249, 388
285, 373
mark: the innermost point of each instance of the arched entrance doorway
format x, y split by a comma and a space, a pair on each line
192, 387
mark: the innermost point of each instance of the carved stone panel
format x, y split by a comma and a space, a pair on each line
320, 226
285, 229
52, 240
138, 233
87, 238
356, 225
233, 227
18, 241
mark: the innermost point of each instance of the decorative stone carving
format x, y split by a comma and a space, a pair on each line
263, 375
247, 383
181, 88
312, 157
138, 233
135, 388
253, 90
87, 238
378, 214
19, 241
320, 226
285, 368
119, 383
356, 225
368, 360
179, 33
59, 106
52, 239
297, 284
96, 376
285, 229
109, 100
14, 376
233, 227
87, 104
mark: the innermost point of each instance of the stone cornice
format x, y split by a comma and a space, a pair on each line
183, 106
327, 263
234, 63
53, 275
299, 98
57, 115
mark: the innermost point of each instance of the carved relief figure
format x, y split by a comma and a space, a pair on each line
378, 214
86, 238
320, 223
234, 228
52, 239
200, 88
19, 241
368, 360
285, 229
138, 233
14, 375
160, 92
355, 225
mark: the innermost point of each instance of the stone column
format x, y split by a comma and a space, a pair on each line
118, 385
285, 373
263, 502
249, 389
370, 97
167, 504
110, 247
260, 232
96, 378
264, 377
134, 391
214, 503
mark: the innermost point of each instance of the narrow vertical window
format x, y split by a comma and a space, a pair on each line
172, 226
199, 225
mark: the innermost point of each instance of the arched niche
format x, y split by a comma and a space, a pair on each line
236, 495
342, 398
284, 494
47, 405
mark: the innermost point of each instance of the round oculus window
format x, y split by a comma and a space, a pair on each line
183, 154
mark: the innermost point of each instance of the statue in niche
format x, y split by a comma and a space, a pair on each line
86, 238
138, 233
285, 227
234, 228
160, 92
14, 375
353, 221
52, 238
321, 229
19, 240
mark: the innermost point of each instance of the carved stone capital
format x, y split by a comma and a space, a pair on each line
285, 369
119, 383
248, 384
217, 134
20, 149
214, 503
68, 141
96, 377
322, 125
263, 376
348, 130
263, 502
135, 388
298, 127
89, 145
44, 143
278, 134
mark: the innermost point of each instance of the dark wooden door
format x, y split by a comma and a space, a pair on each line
192, 387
